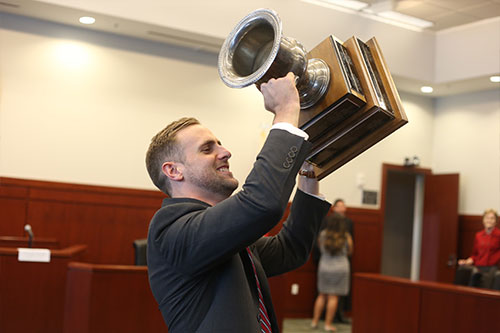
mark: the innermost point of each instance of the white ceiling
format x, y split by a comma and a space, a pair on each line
443, 13
447, 13
204, 24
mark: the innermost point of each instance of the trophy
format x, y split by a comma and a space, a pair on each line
348, 99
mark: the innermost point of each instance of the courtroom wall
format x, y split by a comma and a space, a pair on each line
467, 141
80, 106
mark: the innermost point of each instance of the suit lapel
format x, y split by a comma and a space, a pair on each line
249, 275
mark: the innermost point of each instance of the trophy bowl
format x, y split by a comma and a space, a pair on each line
256, 51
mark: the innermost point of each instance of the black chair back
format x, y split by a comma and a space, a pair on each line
463, 275
140, 247
496, 281
483, 277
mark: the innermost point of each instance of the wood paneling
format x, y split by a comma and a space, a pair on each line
368, 234
468, 225
384, 305
459, 311
117, 298
32, 293
110, 298
392, 305
13, 205
300, 305
107, 219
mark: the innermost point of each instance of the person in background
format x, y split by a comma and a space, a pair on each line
340, 208
335, 244
486, 250
345, 302
207, 260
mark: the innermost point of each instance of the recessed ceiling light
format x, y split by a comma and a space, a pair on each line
407, 19
495, 78
426, 89
87, 20
352, 4
349, 5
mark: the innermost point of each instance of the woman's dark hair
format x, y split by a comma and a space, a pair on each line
335, 234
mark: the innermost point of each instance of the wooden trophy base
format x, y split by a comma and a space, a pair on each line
343, 131
343, 98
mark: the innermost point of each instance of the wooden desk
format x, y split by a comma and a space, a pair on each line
13, 241
388, 304
110, 298
32, 293
117, 298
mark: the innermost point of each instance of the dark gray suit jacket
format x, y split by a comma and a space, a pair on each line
199, 271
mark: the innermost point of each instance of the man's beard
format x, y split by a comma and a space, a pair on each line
212, 182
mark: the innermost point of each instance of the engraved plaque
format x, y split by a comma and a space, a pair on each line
381, 115
343, 98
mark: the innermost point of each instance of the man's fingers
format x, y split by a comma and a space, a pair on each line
292, 77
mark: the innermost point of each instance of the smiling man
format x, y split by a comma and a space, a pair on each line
208, 261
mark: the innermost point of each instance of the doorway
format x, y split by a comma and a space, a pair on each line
402, 223
420, 221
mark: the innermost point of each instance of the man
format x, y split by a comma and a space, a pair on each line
207, 259
340, 208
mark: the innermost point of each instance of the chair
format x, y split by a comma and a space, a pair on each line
463, 275
496, 281
140, 247
483, 277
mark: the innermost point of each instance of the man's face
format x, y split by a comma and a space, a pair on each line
340, 208
489, 221
205, 166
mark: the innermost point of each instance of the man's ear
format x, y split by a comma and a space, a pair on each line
172, 171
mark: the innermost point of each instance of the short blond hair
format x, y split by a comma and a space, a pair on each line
491, 210
164, 147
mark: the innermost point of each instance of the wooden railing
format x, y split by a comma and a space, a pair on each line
386, 304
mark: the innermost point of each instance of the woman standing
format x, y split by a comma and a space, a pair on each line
335, 244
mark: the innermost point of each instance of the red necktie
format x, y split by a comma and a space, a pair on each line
265, 325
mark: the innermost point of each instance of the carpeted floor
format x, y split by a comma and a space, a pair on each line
304, 325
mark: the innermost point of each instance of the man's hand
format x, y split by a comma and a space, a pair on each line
282, 98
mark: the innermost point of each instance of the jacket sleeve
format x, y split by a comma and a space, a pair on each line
291, 247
